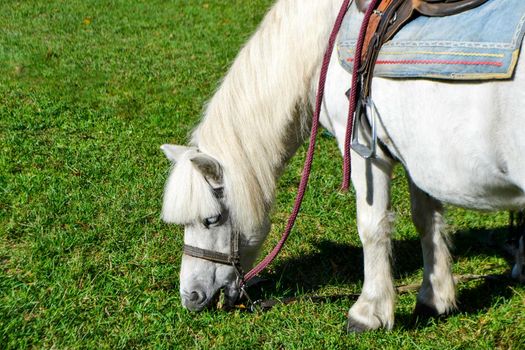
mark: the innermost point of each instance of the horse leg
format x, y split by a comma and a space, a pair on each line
437, 295
375, 306
371, 180
518, 246
518, 270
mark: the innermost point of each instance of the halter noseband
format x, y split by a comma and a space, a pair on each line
231, 259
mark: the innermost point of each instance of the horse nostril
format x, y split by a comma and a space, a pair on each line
194, 296
197, 297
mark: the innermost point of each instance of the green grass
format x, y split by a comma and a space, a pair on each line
88, 91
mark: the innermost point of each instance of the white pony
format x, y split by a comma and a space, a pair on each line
460, 143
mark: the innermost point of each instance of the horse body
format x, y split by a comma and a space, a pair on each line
459, 142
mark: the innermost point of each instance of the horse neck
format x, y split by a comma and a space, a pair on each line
253, 123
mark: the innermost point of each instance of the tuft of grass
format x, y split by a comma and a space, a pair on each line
88, 92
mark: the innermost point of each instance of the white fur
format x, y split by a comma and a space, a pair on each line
188, 196
250, 124
460, 143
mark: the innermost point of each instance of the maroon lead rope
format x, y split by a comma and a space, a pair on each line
315, 125
353, 95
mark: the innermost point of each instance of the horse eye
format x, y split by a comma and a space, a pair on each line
212, 221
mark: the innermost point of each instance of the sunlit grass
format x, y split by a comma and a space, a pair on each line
88, 92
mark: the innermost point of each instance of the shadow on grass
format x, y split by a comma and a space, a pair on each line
336, 264
470, 300
481, 242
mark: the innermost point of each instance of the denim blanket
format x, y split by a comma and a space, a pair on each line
483, 43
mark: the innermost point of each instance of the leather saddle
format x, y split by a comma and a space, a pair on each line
444, 7
391, 15
435, 7
386, 20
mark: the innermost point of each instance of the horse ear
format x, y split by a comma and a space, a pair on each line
174, 152
209, 167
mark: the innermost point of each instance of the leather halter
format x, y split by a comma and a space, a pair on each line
233, 258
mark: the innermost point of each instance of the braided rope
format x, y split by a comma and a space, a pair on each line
311, 149
353, 96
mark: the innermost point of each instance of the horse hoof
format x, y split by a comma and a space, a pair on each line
518, 273
353, 326
424, 312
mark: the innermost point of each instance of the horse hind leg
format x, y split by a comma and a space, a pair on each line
437, 295
518, 270
518, 247
375, 306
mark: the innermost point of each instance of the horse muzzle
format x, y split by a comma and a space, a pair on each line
195, 300
198, 299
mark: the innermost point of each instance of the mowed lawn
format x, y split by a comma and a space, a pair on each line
89, 90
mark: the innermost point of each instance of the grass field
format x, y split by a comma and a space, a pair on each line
88, 91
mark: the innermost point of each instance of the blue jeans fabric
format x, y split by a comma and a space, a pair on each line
483, 43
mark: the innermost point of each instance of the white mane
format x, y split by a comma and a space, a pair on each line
187, 195
252, 125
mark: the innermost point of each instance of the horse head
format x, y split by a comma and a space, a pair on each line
195, 197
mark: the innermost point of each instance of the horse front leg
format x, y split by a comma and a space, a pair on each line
375, 306
437, 295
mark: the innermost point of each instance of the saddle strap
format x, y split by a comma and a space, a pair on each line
371, 30
404, 11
